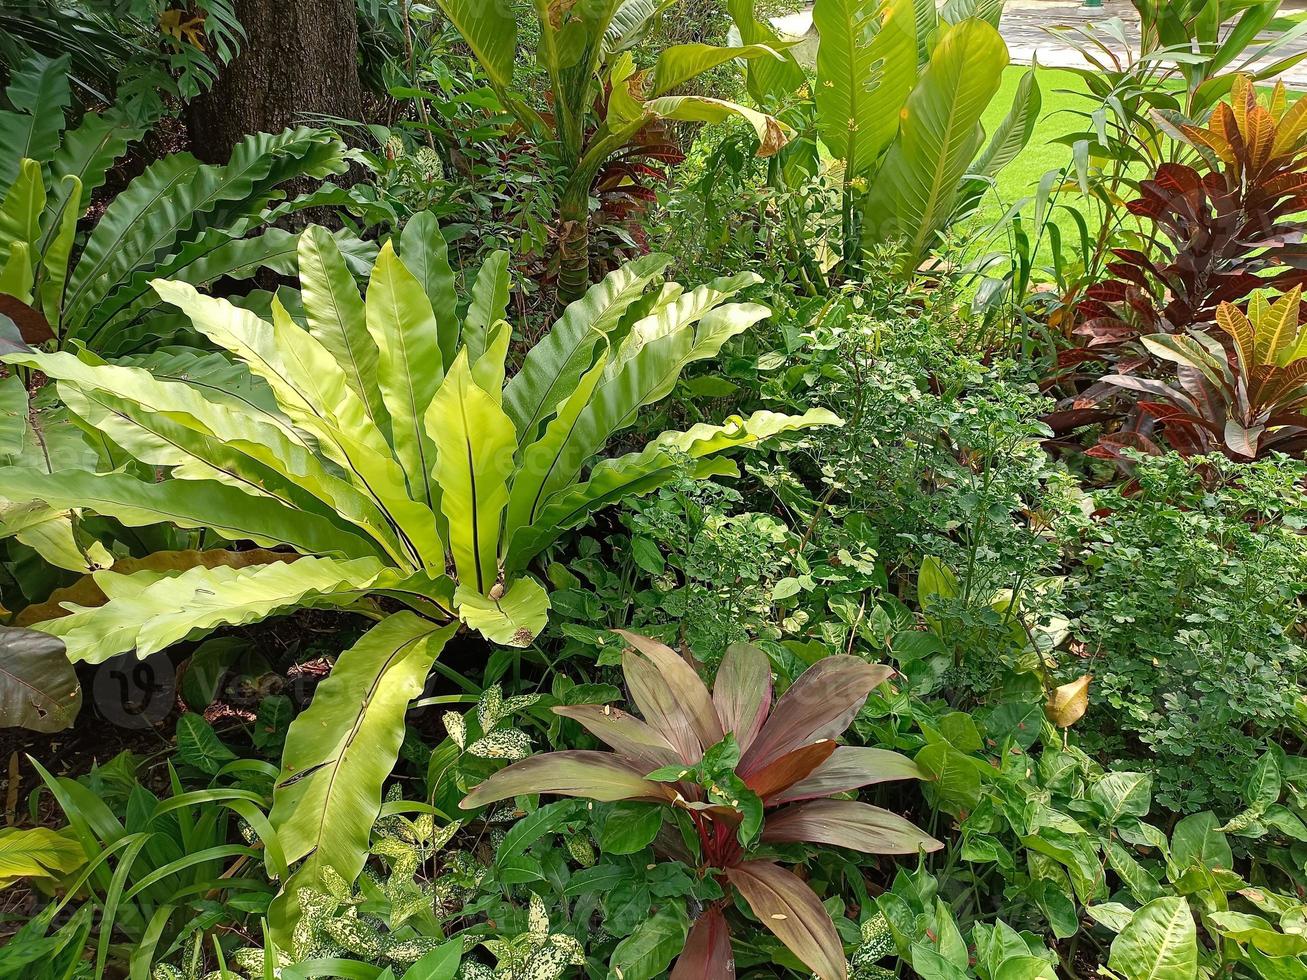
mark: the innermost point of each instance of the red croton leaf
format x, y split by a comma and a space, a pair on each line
624, 733
822, 703
850, 767
742, 692
790, 768
784, 903
707, 952
846, 823
670, 696
598, 776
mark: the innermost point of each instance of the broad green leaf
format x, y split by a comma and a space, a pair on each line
555, 365
1197, 841
1014, 132
39, 93
866, 66
18, 276
514, 619
20, 211
489, 303
403, 327
37, 853
1123, 794
680, 63
54, 261
769, 81
1245, 928
490, 369
1159, 943
335, 314
198, 744
38, 686
649, 951
232, 513
341, 749
426, 254
490, 30
638, 473
149, 611
916, 190
771, 132
475, 442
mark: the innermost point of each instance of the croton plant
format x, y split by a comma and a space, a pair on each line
741, 776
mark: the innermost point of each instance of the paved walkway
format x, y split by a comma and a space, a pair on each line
1026, 23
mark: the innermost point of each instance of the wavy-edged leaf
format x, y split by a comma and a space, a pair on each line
38, 685
148, 611
426, 254
410, 369
314, 392
89, 150
866, 65
597, 776
707, 950
847, 823
916, 190
475, 442
552, 368
232, 513
822, 703
1014, 132
625, 734
514, 619
613, 480
785, 904
54, 258
335, 314
850, 767
38, 852
39, 93
488, 304
340, 750
742, 692
20, 212
490, 30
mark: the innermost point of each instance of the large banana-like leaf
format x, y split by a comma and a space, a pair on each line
866, 66
475, 442
680, 63
341, 749
149, 611
638, 473
490, 30
771, 132
629, 23
769, 80
39, 94
917, 189
403, 328
232, 513
554, 366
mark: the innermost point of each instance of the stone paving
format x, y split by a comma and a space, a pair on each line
1026, 23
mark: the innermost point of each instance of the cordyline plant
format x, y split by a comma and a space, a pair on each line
1220, 234
1244, 404
745, 775
394, 466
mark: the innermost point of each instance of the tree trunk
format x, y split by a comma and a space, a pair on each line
299, 58
573, 244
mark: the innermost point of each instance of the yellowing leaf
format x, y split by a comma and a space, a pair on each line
1068, 703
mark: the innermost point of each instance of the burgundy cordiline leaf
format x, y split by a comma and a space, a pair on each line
625, 734
670, 696
742, 692
784, 903
822, 703
790, 768
845, 823
598, 776
707, 954
850, 767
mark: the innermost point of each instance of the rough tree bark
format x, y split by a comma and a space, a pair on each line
299, 58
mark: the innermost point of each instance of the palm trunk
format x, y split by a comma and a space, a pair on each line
573, 244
